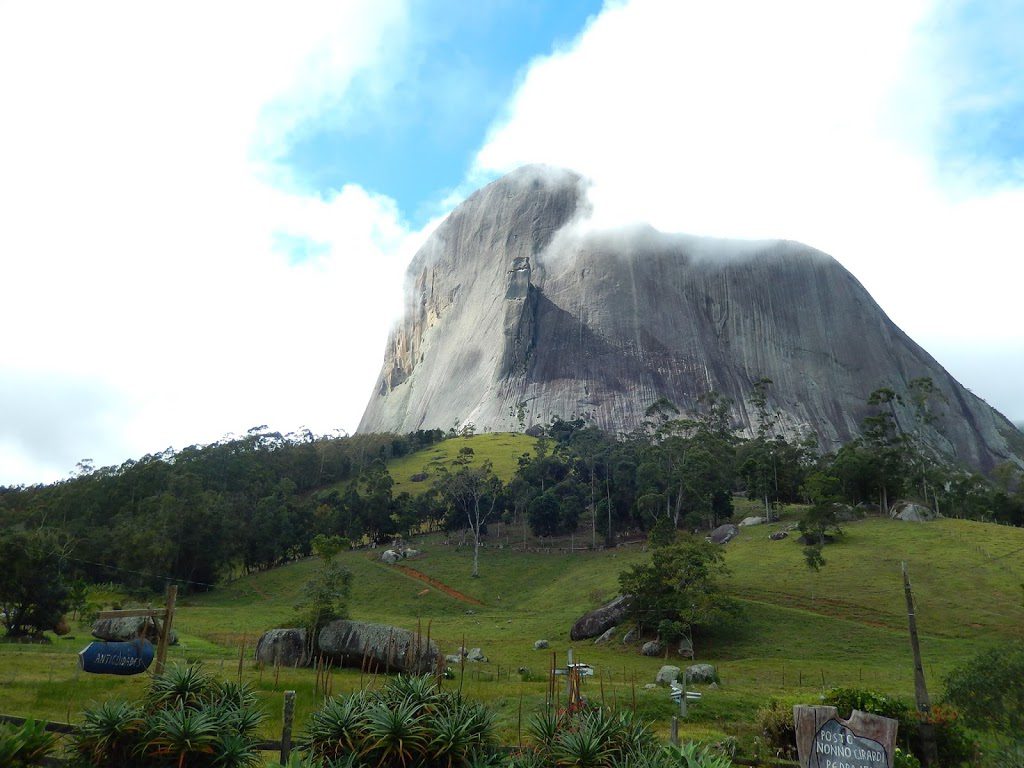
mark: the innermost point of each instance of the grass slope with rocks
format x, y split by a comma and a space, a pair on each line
803, 631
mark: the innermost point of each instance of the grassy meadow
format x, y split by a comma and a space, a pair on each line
802, 631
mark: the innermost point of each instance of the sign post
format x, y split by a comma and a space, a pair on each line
135, 656
825, 741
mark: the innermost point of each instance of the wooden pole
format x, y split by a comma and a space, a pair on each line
674, 737
165, 628
286, 728
929, 748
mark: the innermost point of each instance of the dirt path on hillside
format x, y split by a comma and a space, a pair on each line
438, 585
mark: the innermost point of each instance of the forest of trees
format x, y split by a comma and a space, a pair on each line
205, 513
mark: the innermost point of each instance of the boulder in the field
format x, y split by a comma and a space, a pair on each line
125, 629
911, 512
599, 621
701, 673
723, 534
651, 648
540, 645
283, 648
380, 647
667, 674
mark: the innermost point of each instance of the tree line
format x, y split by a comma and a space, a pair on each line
205, 513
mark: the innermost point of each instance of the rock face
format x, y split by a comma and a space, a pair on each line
515, 313
600, 620
282, 647
383, 648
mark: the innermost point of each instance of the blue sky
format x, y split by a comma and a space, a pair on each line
207, 215
416, 135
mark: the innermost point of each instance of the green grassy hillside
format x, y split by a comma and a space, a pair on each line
502, 449
803, 631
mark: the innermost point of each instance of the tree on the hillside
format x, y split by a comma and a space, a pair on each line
679, 585
472, 492
325, 596
989, 690
33, 594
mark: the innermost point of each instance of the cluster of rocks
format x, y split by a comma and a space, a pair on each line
475, 655
392, 556
377, 647
703, 674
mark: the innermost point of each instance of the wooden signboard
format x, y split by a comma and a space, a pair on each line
130, 658
823, 740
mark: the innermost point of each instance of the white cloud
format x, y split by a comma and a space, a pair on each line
803, 120
141, 208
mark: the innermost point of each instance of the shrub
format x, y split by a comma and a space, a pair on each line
952, 743
408, 722
25, 745
775, 723
185, 718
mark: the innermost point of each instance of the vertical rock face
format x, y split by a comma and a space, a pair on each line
514, 314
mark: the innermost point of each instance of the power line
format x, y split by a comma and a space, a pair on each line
140, 573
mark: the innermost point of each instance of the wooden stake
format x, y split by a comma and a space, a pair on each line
286, 728
929, 750
165, 629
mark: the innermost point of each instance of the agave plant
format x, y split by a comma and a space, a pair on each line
109, 734
337, 728
179, 733
395, 732
189, 686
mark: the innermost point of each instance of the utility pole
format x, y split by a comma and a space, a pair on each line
930, 756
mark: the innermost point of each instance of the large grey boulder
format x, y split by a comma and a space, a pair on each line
390, 557
476, 654
509, 302
651, 648
748, 521
723, 534
381, 647
124, 629
600, 620
911, 512
283, 647
701, 673
540, 645
667, 675
606, 636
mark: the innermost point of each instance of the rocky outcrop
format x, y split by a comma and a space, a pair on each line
600, 620
913, 513
282, 647
378, 647
516, 313
123, 630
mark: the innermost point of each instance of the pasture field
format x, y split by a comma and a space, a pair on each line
802, 631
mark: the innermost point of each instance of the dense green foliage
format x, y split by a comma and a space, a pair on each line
409, 722
186, 717
25, 745
677, 592
989, 690
33, 592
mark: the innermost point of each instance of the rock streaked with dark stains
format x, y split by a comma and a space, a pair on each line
381, 647
126, 629
600, 620
284, 647
513, 317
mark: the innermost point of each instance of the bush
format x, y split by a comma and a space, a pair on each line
409, 722
185, 718
952, 743
775, 724
25, 745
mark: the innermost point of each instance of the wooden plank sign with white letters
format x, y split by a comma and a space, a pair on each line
823, 740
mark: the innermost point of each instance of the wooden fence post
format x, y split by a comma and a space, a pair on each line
165, 629
286, 728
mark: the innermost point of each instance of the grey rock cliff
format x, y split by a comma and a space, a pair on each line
515, 314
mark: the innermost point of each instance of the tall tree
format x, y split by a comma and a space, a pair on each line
472, 492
